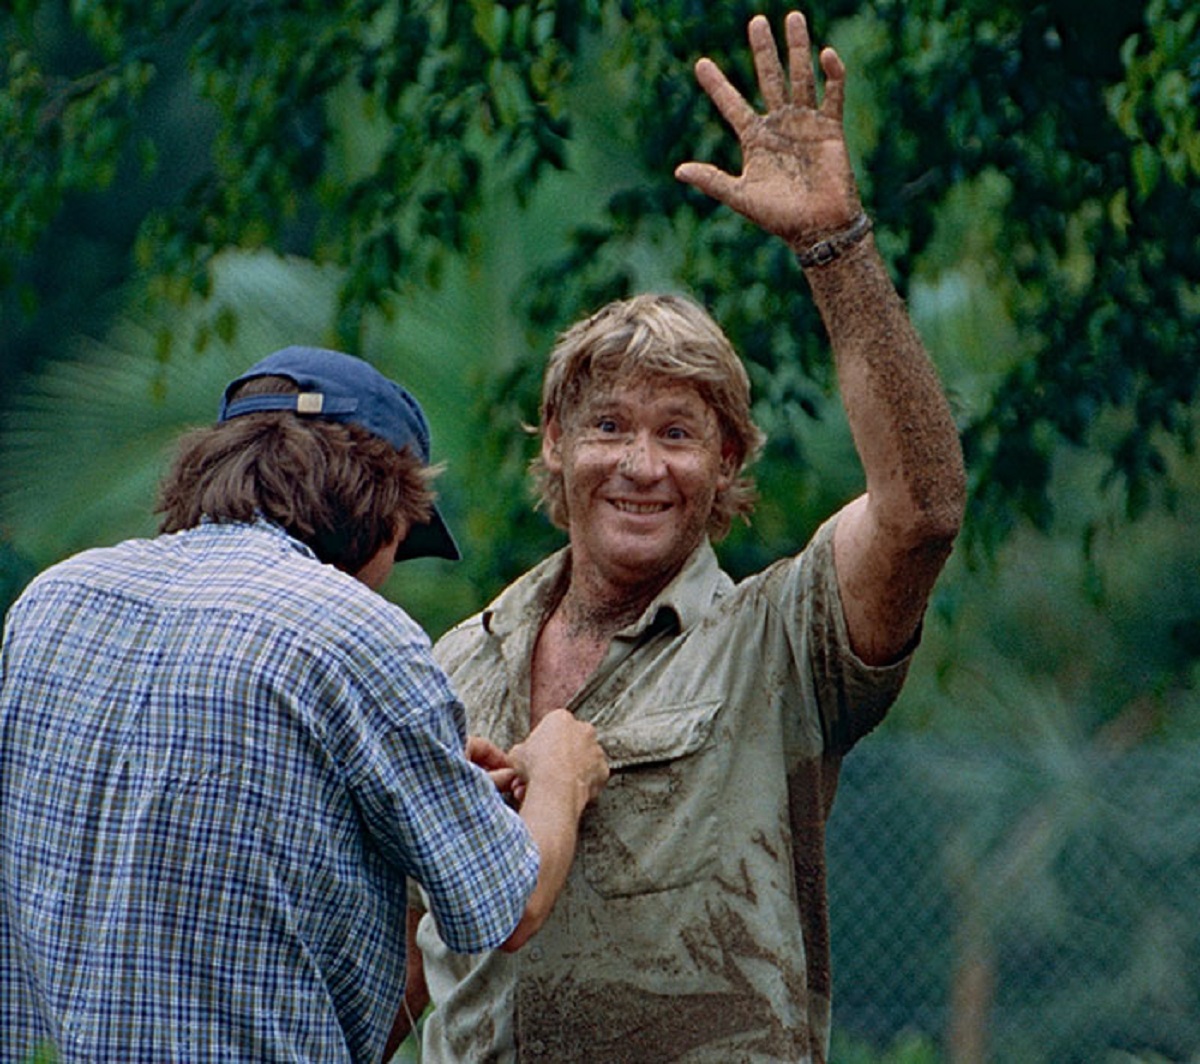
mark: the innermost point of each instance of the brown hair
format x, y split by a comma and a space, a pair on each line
653, 335
335, 487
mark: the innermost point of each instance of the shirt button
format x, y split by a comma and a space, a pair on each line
537, 1048
535, 953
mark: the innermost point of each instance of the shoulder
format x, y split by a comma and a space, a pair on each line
271, 584
347, 621
462, 641
512, 614
99, 571
792, 578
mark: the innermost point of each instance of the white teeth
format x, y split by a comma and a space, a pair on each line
641, 508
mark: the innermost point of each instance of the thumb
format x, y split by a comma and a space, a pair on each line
708, 179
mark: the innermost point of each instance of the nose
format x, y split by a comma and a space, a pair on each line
641, 459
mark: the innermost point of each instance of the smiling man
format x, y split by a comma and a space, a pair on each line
694, 923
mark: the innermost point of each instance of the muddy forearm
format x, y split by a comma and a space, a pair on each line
898, 414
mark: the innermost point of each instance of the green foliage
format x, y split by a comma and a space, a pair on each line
367, 135
1156, 100
1032, 158
907, 1049
58, 133
445, 81
15, 572
1102, 279
45, 1053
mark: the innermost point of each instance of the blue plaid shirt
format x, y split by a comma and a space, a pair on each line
219, 760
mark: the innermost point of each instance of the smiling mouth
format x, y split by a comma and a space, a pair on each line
641, 507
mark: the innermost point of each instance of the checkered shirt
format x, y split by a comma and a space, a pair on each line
219, 760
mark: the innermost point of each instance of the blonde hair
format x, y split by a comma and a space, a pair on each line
654, 335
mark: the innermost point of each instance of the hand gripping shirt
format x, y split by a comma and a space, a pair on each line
219, 760
694, 923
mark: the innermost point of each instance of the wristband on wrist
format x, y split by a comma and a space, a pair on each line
825, 251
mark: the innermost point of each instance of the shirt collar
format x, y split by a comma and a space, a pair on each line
682, 603
260, 524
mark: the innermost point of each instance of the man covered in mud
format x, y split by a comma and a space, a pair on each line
694, 923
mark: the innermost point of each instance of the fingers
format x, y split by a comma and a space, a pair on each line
600, 778
771, 81
504, 779
778, 90
485, 754
804, 90
835, 84
708, 179
733, 107
561, 746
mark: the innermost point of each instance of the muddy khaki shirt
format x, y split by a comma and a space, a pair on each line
694, 924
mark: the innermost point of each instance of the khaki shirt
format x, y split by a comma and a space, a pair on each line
694, 924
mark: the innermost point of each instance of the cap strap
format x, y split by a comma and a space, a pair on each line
315, 404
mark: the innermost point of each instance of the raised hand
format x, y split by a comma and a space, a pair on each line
796, 179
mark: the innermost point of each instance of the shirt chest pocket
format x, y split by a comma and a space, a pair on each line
654, 827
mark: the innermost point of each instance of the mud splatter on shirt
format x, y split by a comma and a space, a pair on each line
694, 926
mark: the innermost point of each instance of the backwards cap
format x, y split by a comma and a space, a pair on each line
338, 387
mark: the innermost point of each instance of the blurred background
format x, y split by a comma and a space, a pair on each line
442, 186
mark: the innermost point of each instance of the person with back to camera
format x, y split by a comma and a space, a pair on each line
222, 753
694, 925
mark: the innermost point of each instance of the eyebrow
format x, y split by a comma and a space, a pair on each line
675, 407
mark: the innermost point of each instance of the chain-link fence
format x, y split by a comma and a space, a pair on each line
1018, 907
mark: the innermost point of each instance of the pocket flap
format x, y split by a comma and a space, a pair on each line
661, 734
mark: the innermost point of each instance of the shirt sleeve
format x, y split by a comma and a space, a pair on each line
472, 855
851, 697
438, 819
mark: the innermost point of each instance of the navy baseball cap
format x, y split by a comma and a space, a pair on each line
338, 387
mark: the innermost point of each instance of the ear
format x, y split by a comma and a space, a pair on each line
729, 466
379, 567
552, 446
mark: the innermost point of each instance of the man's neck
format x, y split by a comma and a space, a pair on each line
588, 618
575, 638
